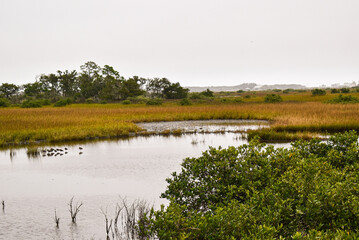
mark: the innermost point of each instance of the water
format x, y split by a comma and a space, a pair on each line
206, 126
33, 188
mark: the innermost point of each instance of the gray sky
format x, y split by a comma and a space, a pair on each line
194, 42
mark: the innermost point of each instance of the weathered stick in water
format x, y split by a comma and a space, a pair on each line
115, 226
74, 209
108, 224
57, 219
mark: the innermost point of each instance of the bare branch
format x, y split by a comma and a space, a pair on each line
57, 219
74, 209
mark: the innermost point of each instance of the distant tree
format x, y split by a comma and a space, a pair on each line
334, 90
207, 93
90, 81
175, 91
50, 85
33, 89
272, 98
8, 90
111, 81
68, 83
132, 87
318, 92
345, 90
155, 87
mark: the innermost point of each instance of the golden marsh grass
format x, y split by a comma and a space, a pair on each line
78, 121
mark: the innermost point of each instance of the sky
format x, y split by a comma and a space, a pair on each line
194, 42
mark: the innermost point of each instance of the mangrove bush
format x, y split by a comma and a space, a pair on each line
272, 98
255, 191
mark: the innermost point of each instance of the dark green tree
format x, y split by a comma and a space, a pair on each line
132, 87
318, 92
155, 87
8, 90
175, 91
111, 84
272, 98
90, 80
33, 89
50, 85
68, 83
207, 93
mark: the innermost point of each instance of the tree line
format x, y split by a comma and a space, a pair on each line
92, 83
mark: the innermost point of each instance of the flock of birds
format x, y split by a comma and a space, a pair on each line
56, 151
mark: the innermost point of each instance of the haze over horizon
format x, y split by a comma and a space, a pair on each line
196, 43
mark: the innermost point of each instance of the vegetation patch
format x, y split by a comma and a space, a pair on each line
20, 125
272, 98
344, 99
154, 101
63, 102
31, 104
4, 102
309, 191
318, 92
126, 102
272, 135
185, 102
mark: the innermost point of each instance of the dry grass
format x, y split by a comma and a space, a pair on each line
90, 121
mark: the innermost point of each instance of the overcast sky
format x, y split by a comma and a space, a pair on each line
194, 42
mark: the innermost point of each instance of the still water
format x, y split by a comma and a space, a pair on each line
98, 174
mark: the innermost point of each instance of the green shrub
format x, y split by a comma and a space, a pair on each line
344, 99
207, 93
154, 101
185, 102
45, 102
238, 100
195, 95
318, 92
31, 104
345, 90
286, 91
240, 91
247, 96
334, 90
62, 102
301, 90
4, 102
138, 99
126, 102
103, 102
272, 98
254, 191
90, 101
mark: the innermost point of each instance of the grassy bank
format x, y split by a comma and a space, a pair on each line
76, 122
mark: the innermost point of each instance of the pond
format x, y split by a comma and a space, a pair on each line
98, 174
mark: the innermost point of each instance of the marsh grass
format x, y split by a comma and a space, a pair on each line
97, 121
271, 135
